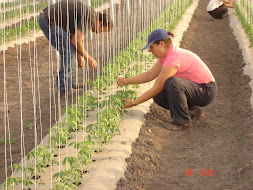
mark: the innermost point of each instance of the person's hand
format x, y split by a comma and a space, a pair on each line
92, 63
80, 61
122, 81
128, 103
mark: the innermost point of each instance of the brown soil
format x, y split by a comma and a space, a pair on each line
222, 141
40, 103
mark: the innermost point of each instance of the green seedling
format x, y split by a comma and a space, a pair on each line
29, 123
58, 136
12, 182
73, 111
244, 12
64, 183
25, 10
86, 149
12, 140
44, 157
87, 101
128, 94
73, 175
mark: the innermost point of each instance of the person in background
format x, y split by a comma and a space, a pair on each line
65, 24
218, 8
183, 82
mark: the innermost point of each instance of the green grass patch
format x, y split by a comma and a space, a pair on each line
30, 8
25, 10
16, 32
94, 3
247, 23
97, 3
15, 3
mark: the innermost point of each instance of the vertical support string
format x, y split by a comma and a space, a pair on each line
22, 144
89, 32
128, 7
111, 11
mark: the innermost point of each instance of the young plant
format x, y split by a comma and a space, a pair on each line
72, 123
128, 94
86, 149
44, 157
69, 177
12, 182
64, 182
12, 140
87, 101
107, 124
73, 111
59, 136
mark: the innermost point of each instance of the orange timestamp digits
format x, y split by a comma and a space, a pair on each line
207, 172
188, 173
202, 172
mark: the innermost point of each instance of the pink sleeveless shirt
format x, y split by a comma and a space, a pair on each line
190, 66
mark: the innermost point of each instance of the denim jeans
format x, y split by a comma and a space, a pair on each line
60, 40
179, 95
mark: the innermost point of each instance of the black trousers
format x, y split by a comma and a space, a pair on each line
218, 12
179, 95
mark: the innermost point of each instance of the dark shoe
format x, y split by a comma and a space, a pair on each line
211, 18
197, 117
196, 113
181, 127
77, 86
64, 95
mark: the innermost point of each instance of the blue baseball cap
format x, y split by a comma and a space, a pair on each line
156, 35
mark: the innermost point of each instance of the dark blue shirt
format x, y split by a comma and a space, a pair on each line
71, 15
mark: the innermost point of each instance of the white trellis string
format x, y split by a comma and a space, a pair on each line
50, 71
5, 102
89, 31
7, 126
57, 30
128, 7
21, 104
99, 70
111, 11
85, 85
34, 95
117, 41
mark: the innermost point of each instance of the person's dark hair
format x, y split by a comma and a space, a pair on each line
106, 20
167, 41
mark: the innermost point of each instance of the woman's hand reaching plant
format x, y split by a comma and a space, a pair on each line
128, 103
122, 81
